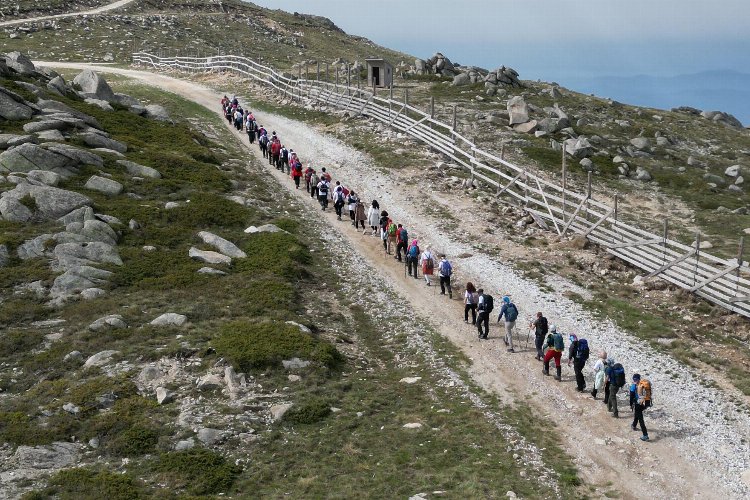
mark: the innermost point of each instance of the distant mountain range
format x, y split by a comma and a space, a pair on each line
721, 90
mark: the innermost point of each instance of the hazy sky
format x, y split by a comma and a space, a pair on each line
553, 38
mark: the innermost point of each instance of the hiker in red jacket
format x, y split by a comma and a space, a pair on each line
296, 174
276, 153
309, 171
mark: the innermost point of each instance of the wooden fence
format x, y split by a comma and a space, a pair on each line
562, 209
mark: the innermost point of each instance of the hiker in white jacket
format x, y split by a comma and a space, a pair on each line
427, 263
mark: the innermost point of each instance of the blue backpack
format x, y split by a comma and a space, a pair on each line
446, 270
617, 375
414, 251
511, 313
582, 351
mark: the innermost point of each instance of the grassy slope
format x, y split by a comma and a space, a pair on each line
311, 453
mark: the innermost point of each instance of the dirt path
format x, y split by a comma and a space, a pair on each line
697, 448
98, 10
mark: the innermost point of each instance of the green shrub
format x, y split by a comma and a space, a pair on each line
18, 311
206, 210
134, 441
13, 342
130, 428
19, 429
270, 297
261, 345
164, 269
85, 484
28, 202
197, 471
279, 254
287, 224
309, 412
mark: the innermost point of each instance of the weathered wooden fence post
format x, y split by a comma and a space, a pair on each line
697, 256
664, 242
455, 118
564, 183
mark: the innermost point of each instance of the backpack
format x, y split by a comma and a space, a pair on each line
323, 189
339, 196
582, 351
511, 313
392, 229
429, 265
403, 236
298, 168
644, 390
558, 343
542, 325
617, 374
488, 304
413, 251
446, 270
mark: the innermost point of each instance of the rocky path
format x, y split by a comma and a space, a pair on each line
98, 10
699, 437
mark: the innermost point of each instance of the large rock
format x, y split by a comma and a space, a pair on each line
44, 177
732, 171
13, 210
99, 141
100, 359
54, 108
139, 170
169, 319
641, 174
20, 63
224, 246
526, 128
38, 246
103, 185
157, 112
641, 143
209, 257
518, 110
461, 79
27, 157
13, 107
209, 436
78, 278
278, 411
57, 84
51, 202
11, 140
579, 147
44, 458
69, 255
94, 85
76, 156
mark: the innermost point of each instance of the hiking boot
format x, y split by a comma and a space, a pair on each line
511, 350
506, 341
545, 371
442, 293
615, 415
558, 377
450, 295
644, 438
634, 427
593, 393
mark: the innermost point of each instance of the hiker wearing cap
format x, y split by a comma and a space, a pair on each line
445, 271
510, 311
555, 348
427, 263
599, 373
640, 395
578, 354
485, 304
541, 328
471, 297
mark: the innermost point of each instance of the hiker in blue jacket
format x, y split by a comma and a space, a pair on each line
578, 354
510, 311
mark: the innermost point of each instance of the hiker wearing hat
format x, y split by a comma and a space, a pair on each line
640, 399
578, 354
599, 373
555, 348
510, 311
541, 328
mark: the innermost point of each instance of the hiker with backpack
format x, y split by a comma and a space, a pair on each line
427, 263
314, 181
412, 258
339, 199
309, 171
445, 271
352, 201
263, 144
323, 188
485, 305
359, 215
296, 174
541, 328
250, 128
402, 238
284, 159
578, 354
599, 373
471, 297
555, 348
640, 400
374, 218
275, 158
510, 311
616, 376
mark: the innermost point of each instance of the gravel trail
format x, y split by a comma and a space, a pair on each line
699, 437
98, 10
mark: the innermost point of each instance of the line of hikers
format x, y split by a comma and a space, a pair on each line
609, 376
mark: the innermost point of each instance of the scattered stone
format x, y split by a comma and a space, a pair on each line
267, 228
209, 383
139, 170
99, 141
103, 185
209, 257
94, 442
413, 425
100, 359
641, 174
211, 270
526, 128
301, 327
224, 246
518, 110
184, 444
157, 112
410, 380
733, 171
170, 319
210, 437
56, 456
278, 411
163, 395
71, 408
92, 293
641, 143
73, 355
293, 378
94, 85
295, 364
587, 164
171, 205
113, 321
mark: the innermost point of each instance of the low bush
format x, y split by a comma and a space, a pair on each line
267, 297
308, 412
279, 254
90, 484
251, 346
18, 311
131, 428
15, 342
206, 210
165, 269
197, 471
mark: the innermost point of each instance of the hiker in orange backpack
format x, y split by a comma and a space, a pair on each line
640, 399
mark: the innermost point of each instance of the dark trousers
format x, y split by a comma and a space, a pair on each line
539, 343
296, 182
351, 215
285, 164
412, 262
264, 150
578, 369
638, 417
445, 282
483, 319
323, 200
473, 309
606, 393
401, 245
276, 161
338, 206
612, 401
251, 137
313, 191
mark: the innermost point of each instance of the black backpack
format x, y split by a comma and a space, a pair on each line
489, 303
617, 374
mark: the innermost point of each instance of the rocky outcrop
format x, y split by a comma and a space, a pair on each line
208, 257
20, 63
49, 203
157, 112
518, 110
59, 158
224, 246
103, 185
139, 170
503, 76
13, 106
94, 86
